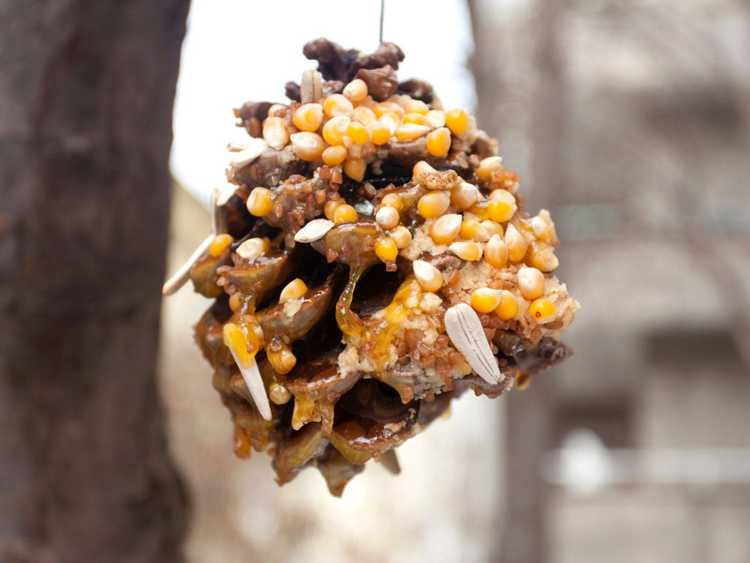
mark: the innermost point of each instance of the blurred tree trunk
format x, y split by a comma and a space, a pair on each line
86, 91
527, 80
546, 133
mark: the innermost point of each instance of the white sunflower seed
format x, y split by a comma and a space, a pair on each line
311, 87
465, 331
254, 382
252, 249
314, 230
249, 152
182, 275
225, 192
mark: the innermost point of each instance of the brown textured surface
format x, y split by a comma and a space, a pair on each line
85, 130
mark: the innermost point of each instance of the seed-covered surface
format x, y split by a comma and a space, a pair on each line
372, 262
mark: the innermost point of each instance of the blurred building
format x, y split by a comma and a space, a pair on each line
656, 229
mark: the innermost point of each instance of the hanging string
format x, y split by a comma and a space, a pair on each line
382, 15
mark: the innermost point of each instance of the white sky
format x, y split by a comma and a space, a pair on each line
238, 50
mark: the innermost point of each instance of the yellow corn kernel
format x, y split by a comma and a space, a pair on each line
508, 307
235, 302
464, 196
433, 204
219, 245
530, 283
335, 155
388, 107
517, 244
542, 309
380, 133
490, 228
485, 299
502, 206
543, 257
335, 129
487, 166
401, 236
355, 151
416, 118
446, 228
416, 106
337, 104
543, 227
308, 117
482, 234
502, 195
345, 213
391, 120
387, 217
308, 146
356, 90
278, 110
439, 142
410, 132
398, 99
364, 115
260, 202
293, 290
368, 102
279, 394
421, 171
427, 275
539, 226
470, 229
457, 121
393, 200
479, 210
282, 360
386, 249
357, 133
275, 132
467, 250
436, 117
237, 342
330, 207
355, 168
496, 252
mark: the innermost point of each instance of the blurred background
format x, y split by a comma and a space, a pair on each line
630, 121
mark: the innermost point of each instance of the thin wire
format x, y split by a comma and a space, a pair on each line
382, 14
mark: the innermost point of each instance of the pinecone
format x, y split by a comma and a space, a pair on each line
370, 263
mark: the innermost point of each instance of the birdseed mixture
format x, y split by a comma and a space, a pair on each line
370, 262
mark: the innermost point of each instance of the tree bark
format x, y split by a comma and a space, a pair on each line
520, 95
86, 92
